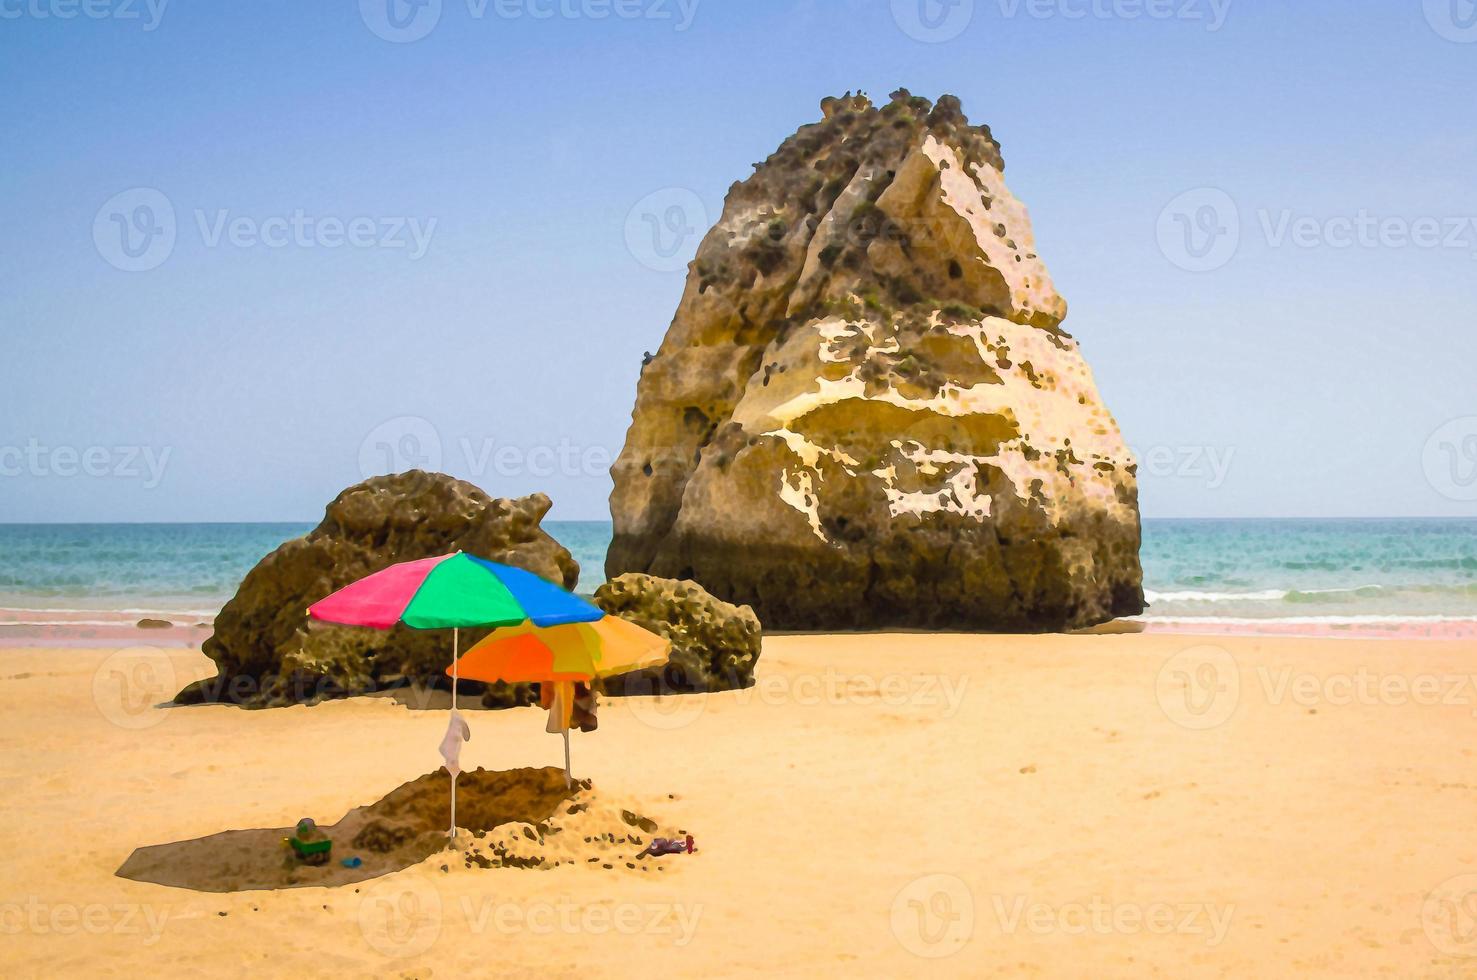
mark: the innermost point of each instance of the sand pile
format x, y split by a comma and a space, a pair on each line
586, 829
484, 800
520, 818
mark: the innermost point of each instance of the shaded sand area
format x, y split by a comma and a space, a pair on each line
520, 818
880, 805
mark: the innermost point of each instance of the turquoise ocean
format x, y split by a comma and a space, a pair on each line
1286, 571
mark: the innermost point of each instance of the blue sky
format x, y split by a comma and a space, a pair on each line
1324, 365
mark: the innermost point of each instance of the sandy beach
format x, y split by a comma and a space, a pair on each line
589, 489
883, 805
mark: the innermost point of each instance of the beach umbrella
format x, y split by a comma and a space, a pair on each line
560, 656
451, 592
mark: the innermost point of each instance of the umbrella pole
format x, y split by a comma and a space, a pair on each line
568, 780
455, 636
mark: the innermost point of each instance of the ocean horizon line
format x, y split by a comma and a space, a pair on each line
1201, 568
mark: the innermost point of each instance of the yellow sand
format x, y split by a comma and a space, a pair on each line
882, 805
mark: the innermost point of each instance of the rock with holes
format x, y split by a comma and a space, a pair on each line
866, 412
715, 644
267, 652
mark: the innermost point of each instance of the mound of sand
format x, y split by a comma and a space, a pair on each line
520, 818
587, 829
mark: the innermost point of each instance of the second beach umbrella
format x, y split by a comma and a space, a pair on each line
561, 655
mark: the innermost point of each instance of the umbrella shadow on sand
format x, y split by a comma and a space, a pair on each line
404, 828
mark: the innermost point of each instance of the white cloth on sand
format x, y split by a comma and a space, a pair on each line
457, 732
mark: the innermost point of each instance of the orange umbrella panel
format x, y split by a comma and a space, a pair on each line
523, 657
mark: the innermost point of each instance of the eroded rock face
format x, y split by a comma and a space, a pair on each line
715, 644
866, 412
268, 652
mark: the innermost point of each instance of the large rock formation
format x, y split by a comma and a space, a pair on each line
865, 412
268, 652
715, 645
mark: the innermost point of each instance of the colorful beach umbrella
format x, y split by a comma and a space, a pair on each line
562, 655
449, 592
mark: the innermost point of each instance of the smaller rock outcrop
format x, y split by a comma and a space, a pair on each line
267, 652
715, 645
